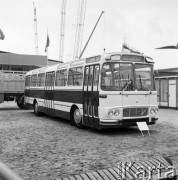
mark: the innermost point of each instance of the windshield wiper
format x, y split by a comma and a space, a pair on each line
140, 82
127, 84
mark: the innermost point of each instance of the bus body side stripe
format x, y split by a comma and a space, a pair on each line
64, 96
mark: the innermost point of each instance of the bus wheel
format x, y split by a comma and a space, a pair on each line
77, 118
36, 109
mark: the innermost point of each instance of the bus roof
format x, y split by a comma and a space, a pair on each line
88, 60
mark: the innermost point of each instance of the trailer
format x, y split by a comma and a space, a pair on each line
13, 68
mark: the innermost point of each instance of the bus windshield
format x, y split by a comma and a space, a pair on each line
144, 77
117, 76
126, 77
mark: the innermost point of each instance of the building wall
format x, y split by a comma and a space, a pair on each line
167, 89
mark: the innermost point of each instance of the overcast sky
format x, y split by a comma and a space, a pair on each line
145, 25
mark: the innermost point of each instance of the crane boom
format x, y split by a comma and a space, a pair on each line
62, 30
79, 28
91, 34
35, 28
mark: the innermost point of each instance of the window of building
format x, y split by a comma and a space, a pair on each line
26, 68
61, 78
163, 90
75, 76
16, 68
6, 67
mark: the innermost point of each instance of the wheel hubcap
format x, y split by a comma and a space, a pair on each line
36, 107
77, 116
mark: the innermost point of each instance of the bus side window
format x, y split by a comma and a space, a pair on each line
33, 80
86, 76
41, 80
47, 79
61, 78
90, 76
96, 75
75, 76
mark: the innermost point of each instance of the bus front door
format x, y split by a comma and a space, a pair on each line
49, 93
91, 96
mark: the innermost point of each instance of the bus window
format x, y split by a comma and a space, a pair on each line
75, 76
117, 76
144, 77
96, 75
41, 79
86, 76
33, 80
90, 80
61, 77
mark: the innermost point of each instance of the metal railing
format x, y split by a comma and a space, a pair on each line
7, 74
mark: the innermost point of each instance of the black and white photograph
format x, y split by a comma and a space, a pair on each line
88, 90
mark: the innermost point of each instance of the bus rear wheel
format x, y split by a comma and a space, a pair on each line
36, 109
77, 118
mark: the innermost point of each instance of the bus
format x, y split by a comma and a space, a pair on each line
104, 91
13, 68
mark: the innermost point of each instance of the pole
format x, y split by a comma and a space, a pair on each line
47, 45
90, 35
47, 57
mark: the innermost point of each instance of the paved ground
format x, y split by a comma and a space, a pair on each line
49, 148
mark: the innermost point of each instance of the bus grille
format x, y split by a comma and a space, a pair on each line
135, 112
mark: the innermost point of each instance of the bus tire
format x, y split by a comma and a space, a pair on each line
36, 109
77, 117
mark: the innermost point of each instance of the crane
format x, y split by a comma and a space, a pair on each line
79, 28
35, 28
91, 35
62, 30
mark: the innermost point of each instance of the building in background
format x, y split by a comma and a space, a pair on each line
13, 68
167, 87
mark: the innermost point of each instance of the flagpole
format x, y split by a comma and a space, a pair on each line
47, 57
47, 47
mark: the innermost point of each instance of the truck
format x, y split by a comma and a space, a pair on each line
13, 68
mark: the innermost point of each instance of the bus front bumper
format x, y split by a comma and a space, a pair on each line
126, 122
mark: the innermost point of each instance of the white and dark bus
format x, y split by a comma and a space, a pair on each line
109, 90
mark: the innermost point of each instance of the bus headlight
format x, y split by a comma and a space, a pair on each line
151, 111
116, 113
110, 113
154, 110
113, 113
